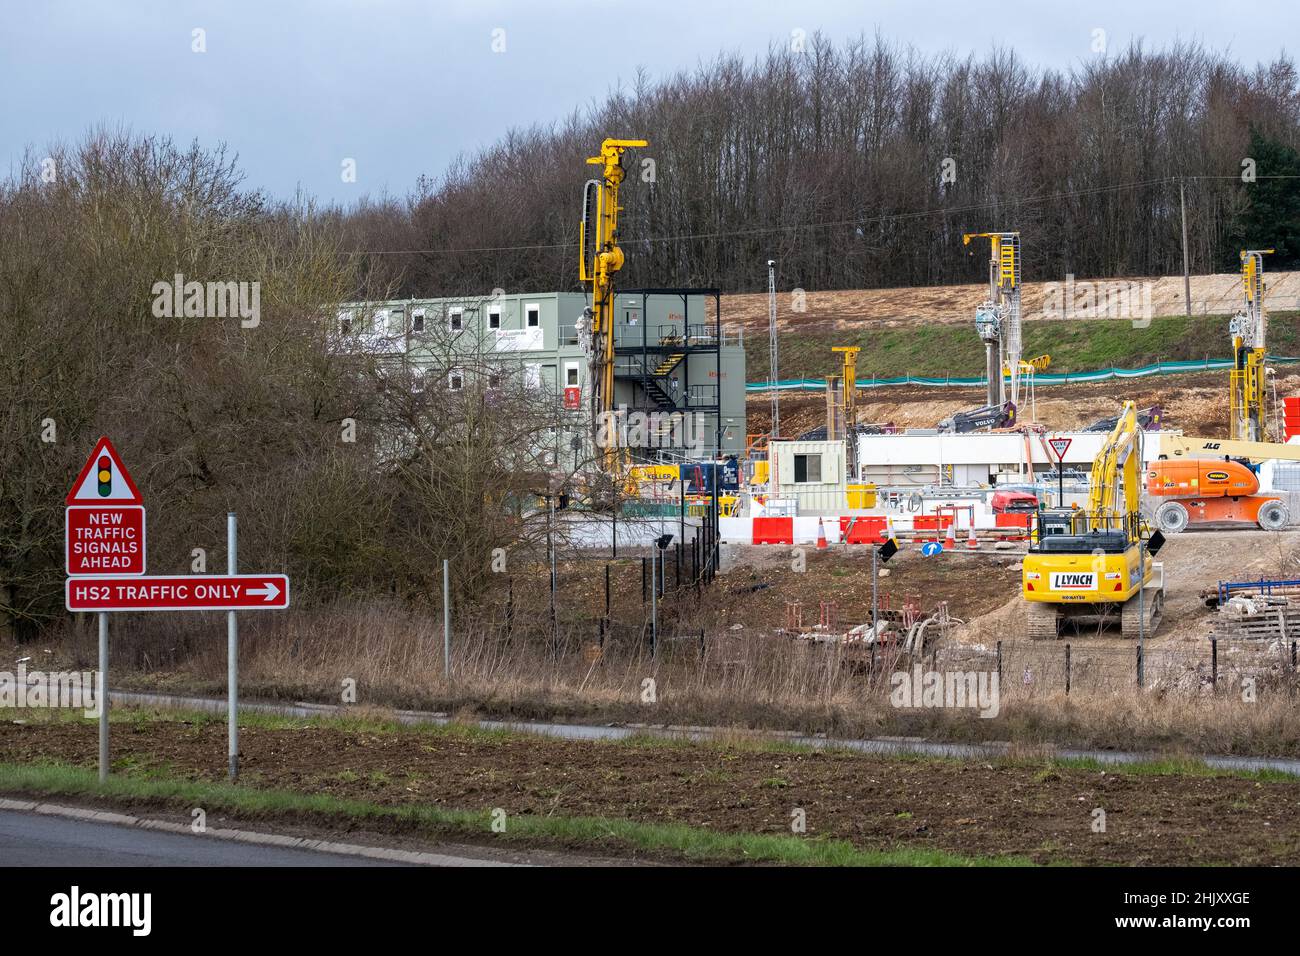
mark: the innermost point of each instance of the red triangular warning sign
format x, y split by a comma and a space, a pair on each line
104, 480
1060, 446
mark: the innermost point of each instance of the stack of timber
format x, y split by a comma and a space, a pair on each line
1267, 617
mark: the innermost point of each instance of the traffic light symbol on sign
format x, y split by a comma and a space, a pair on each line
104, 479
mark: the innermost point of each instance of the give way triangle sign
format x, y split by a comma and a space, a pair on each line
1060, 446
104, 479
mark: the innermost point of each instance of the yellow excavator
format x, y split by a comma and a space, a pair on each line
1096, 566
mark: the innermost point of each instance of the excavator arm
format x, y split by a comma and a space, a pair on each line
1114, 495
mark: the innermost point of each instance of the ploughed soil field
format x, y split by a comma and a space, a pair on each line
1039, 811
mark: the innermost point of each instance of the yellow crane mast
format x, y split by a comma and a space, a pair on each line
1249, 329
599, 258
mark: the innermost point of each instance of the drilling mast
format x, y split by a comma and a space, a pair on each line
850, 404
599, 258
1249, 328
771, 346
997, 320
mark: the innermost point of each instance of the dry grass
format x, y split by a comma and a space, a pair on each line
395, 658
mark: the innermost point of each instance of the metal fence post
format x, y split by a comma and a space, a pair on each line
510, 604
446, 618
604, 624
1214, 664
999, 662
1067, 670
654, 613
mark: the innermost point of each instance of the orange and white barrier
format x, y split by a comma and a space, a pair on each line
872, 529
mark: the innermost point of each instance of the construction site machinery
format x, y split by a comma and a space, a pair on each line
1148, 419
1249, 328
774, 429
991, 416
1013, 503
997, 320
599, 259
842, 413
1200, 481
1095, 566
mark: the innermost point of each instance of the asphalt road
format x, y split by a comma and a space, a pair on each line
28, 839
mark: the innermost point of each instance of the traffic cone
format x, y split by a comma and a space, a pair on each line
821, 536
950, 540
972, 542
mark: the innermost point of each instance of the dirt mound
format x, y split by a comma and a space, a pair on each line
1197, 404
1216, 294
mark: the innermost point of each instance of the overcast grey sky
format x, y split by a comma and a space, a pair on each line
402, 86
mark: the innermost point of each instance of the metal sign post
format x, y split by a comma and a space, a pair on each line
103, 696
232, 655
1142, 611
879, 553
1060, 446
103, 532
875, 603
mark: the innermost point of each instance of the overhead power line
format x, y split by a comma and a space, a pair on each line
824, 224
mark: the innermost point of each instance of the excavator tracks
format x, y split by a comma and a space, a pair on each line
1041, 620
1153, 606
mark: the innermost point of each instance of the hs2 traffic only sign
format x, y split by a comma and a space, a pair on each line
189, 592
106, 554
104, 529
105, 561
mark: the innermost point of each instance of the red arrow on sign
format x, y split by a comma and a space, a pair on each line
104, 480
181, 592
1059, 446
